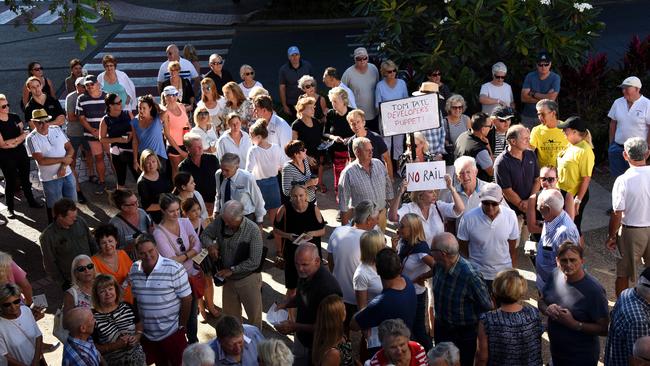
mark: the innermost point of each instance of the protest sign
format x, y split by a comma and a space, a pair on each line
410, 114
426, 176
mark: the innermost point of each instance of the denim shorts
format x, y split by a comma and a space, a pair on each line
58, 188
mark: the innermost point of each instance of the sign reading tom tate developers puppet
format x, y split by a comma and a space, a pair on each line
410, 114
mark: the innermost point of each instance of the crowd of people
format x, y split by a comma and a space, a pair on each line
221, 177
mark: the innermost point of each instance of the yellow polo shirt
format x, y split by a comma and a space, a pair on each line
575, 162
548, 143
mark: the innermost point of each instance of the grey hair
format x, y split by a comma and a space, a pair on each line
338, 91
456, 98
256, 91
230, 159
364, 210
308, 247
243, 69
392, 328
274, 352
356, 143
641, 348
233, 209
460, 163
74, 264
447, 243
445, 350
636, 148
198, 354
514, 132
551, 198
189, 138
499, 67
214, 56
551, 105
304, 80
9, 289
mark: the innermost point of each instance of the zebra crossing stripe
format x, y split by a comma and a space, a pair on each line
8, 15
49, 17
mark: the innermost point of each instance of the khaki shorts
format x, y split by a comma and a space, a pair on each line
634, 243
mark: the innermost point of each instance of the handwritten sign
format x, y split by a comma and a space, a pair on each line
426, 176
410, 114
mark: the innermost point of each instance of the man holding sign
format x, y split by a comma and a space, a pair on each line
364, 179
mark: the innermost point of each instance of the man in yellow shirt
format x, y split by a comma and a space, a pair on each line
546, 138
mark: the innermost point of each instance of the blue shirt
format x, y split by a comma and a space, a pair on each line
533, 83
629, 322
151, 137
554, 233
77, 352
390, 304
252, 337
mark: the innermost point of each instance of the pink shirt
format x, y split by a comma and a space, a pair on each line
169, 247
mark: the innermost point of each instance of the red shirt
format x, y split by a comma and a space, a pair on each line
418, 356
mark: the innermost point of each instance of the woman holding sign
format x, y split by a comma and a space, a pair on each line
391, 88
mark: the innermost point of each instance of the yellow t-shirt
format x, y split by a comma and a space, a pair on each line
548, 142
575, 162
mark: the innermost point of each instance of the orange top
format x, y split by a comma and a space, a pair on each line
123, 267
176, 125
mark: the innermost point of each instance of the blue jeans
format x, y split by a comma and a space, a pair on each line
617, 164
58, 188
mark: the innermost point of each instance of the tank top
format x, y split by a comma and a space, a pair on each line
176, 125
300, 222
117, 127
318, 111
150, 137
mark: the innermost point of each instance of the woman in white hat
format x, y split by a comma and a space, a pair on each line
175, 125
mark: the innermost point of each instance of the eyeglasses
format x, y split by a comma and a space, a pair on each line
543, 64
391, 71
548, 179
252, 73
4, 106
37, 69
171, 95
364, 58
309, 86
8, 304
456, 107
180, 242
490, 203
220, 62
85, 268
130, 204
117, 102
500, 77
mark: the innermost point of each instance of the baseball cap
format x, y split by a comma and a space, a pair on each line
79, 81
491, 192
360, 52
170, 90
543, 56
573, 122
90, 79
631, 81
503, 113
293, 50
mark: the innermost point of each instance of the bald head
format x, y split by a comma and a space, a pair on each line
172, 52
78, 320
446, 242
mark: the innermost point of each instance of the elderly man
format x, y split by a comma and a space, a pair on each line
641, 352
236, 344
362, 77
365, 178
357, 120
314, 284
558, 228
235, 242
203, 168
331, 80
474, 143
501, 118
460, 296
187, 69
629, 117
630, 200
546, 138
540, 84
517, 174
237, 184
40, 100
79, 349
344, 253
468, 185
164, 304
288, 76
488, 234
198, 354
279, 130
496, 93
63, 240
217, 73
75, 132
444, 354
630, 320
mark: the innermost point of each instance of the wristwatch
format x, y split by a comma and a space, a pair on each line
577, 200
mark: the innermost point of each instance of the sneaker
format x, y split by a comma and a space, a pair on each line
101, 188
80, 197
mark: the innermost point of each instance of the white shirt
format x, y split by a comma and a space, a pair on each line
188, 71
346, 252
51, 145
208, 138
433, 225
279, 132
352, 102
503, 93
631, 194
18, 337
488, 245
248, 90
226, 144
243, 189
265, 163
366, 279
215, 114
632, 122
413, 266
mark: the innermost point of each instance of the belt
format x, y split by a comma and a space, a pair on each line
635, 227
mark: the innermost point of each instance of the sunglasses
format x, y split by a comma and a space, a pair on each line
85, 268
171, 95
217, 62
4, 106
365, 58
500, 77
456, 107
309, 86
180, 242
8, 304
548, 179
543, 64
117, 102
252, 73
37, 69
391, 71
490, 203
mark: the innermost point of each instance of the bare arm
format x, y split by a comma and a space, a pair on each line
389, 164
614, 224
513, 198
186, 304
283, 96
362, 298
612, 129
397, 202
512, 246
135, 144
569, 207
481, 357
531, 216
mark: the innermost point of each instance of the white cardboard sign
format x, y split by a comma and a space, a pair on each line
426, 176
410, 114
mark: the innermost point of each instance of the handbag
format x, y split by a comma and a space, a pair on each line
58, 330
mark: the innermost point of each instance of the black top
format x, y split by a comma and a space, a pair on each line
378, 145
188, 91
10, 129
117, 127
310, 293
204, 175
338, 125
299, 222
150, 192
310, 136
220, 81
51, 106
468, 144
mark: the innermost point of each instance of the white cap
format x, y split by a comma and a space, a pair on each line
631, 81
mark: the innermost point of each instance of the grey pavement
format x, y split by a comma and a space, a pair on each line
127, 11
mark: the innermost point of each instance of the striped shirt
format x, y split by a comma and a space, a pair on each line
94, 109
356, 185
158, 296
292, 175
460, 294
187, 71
